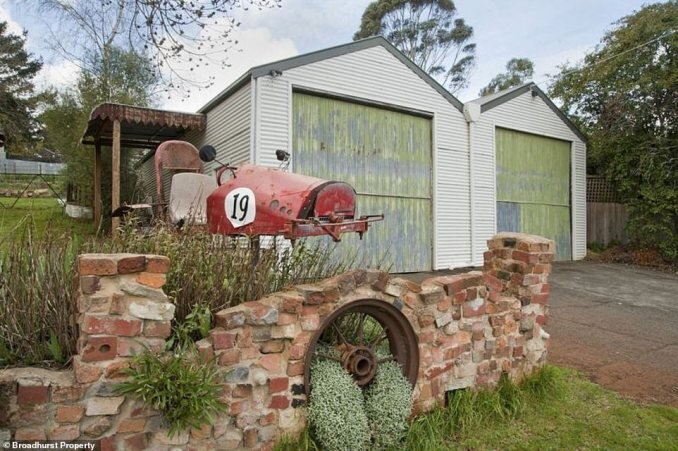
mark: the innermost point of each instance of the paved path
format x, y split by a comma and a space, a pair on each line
619, 325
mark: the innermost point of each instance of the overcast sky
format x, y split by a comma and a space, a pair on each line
549, 32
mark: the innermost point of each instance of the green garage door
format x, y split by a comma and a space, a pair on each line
533, 187
386, 156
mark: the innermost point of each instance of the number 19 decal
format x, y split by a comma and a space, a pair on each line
240, 207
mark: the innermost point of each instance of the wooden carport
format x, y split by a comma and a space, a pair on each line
132, 127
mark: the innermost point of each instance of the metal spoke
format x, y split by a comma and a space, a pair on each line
378, 340
341, 336
361, 328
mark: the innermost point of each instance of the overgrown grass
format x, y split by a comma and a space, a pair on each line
45, 214
208, 272
219, 272
556, 408
37, 302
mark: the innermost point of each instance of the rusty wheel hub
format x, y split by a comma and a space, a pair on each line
361, 362
362, 335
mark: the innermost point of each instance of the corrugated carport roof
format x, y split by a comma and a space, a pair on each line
141, 128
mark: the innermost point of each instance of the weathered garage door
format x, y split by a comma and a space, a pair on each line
386, 156
533, 187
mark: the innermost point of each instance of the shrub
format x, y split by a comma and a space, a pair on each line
221, 272
388, 403
336, 413
37, 305
181, 386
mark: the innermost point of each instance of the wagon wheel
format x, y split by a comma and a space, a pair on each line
361, 336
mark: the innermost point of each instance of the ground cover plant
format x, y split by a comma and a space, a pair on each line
183, 387
556, 408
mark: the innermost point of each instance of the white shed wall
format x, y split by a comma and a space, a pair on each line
374, 74
531, 115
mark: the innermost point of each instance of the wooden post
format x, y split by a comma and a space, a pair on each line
97, 185
115, 176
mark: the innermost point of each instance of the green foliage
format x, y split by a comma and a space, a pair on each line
336, 413
37, 308
17, 99
194, 327
114, 75
181, 386
428, 32
518, 71
624, 96
388, 403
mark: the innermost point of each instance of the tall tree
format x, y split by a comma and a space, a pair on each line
625, 95
518, 71
428, 32
124, 77
17, 98
180, 37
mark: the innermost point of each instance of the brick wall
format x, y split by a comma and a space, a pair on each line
471, 328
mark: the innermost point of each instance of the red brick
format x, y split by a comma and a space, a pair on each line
99, 348
69, 414
97, 265
117, 370
236, 407
460, 297
222, 339
493, 283
437, 371
204, 432
541, 298
270, 418
426, 318
546, 288
150, 279
541, 320
161, 329
250, 438
453, 353
295, 368
158, 264
427, 336
444, 305
279, 402
242, 391
128, 347
67, 433
107, 443
286, 318
292, 304
229, 357
138, 442
132, 425
111, 326
66, 393
30, 395
469, 312
278, 384
128, 265
271, 362
30, 434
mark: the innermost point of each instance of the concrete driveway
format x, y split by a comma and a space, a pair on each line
619, 325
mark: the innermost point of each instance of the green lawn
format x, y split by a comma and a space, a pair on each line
559, 409
46, 214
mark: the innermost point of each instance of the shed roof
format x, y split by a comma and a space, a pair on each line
493, 100
332, 52
140, 127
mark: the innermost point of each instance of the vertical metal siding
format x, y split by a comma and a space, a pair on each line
375, 74
386, 157
531, 115
533, 187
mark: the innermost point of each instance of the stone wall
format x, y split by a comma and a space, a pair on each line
471, 328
